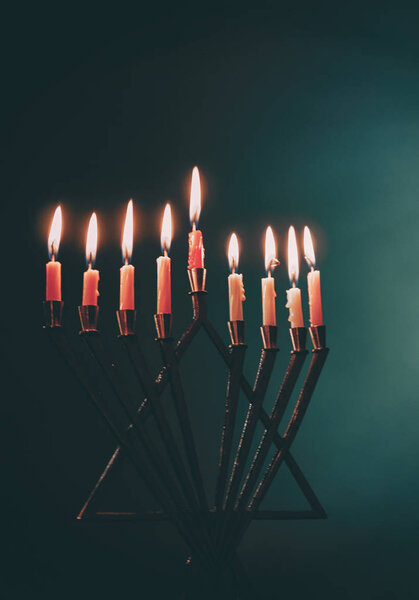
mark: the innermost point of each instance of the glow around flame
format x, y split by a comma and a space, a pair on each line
195, 199
270, 249
233, 252
91, 242
166, 229
293, 262
128, 235
55, 233
308, 248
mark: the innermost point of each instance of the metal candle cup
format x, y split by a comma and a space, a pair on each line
88, 314
126, 321
53, 312
197, 277
236, 330
163, 322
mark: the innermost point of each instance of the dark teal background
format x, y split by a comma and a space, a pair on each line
294, 114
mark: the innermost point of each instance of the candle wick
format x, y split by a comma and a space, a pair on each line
165, 252
293, 281
269, 273
126, 259
193, 226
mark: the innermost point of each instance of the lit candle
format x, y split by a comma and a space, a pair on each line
294, 293
235, 281
53, 267
313, 282
164, 290
196, 242
268, 283
91, 276
126, 290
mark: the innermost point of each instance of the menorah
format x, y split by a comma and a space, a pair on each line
172, 473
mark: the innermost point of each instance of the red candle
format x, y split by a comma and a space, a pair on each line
164, 291
313, 282
91, 276
196, 242
127, 293
53, 267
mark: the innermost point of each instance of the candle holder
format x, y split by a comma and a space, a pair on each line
88, 314
126, 321
163, 322
197, 277
171, 470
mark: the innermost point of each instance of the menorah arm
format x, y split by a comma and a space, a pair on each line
123, 438
170, 360
290, 379
266, 364
232, 397
316, 365
144, 410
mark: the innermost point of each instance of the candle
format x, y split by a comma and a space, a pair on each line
164, 291
268, 283
196, 242
294, 293
126, 290
313, 282
235, 282
91, 276
53, 267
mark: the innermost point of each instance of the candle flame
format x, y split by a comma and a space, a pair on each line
91, 242
293, 262
166, 229
195, 198
233, 252
128, 235
270, 250
308, 248
55, 233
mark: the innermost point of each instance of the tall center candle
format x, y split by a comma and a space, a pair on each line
53, 267
164, 290
236, 293
313, 282
196, 243
268, 283
294, 293
127, 290
91, 276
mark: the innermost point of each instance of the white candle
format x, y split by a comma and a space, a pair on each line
91, 276
164, 289
236, 293
313, 282
127, 273
268, 301
294, 293
268, 283
294, 304
53, 267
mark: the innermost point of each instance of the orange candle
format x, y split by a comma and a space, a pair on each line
236, 295
164, 289
53, 267
91, 276
127, 290
294, 293
196, 242
268, 283
313, 282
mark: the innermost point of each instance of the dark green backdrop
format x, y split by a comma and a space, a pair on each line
294, 114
